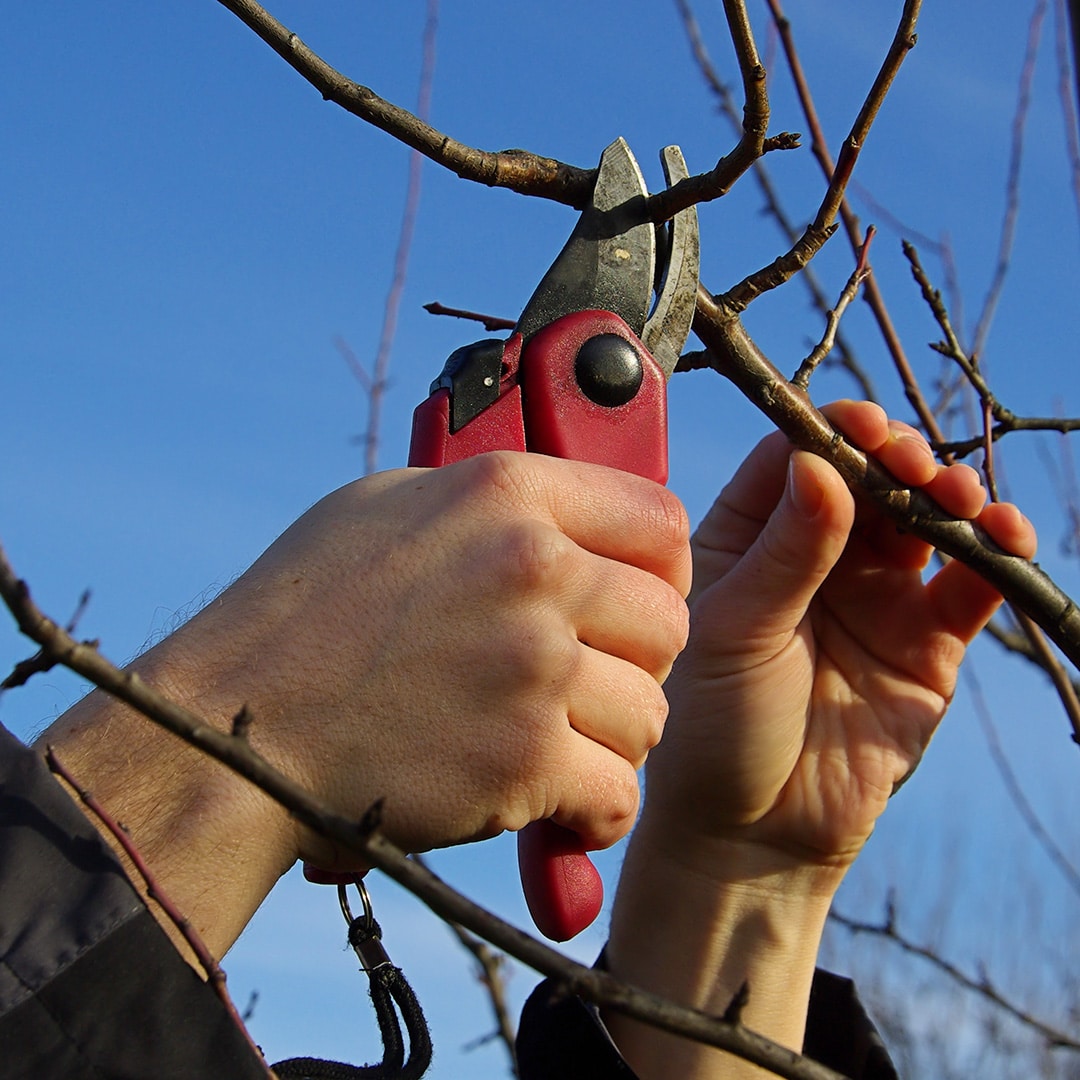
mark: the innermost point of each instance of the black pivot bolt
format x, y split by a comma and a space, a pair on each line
608, 370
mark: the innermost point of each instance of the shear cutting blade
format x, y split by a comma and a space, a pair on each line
609, 261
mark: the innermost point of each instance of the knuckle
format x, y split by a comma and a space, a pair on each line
649, 711
552, 662
656, 714
673, 615
667, 520
534, 557
622, 804
503, 476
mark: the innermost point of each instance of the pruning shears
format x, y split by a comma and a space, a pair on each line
583, 376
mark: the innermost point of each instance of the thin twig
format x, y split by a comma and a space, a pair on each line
801, 378
1059, 677
1066, 89
871, 292
40, 662
1012, 183
824, 224
1005, 420
753, 127
773, 205
1074, 23
381, 367
489, 966
518, 170
735, 355
1013, 788
490, 323
887, 930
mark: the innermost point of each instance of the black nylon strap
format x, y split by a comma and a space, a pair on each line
389, 988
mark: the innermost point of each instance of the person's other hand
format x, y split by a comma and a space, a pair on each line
820, 658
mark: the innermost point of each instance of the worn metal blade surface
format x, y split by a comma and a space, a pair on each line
610, 259
668, 326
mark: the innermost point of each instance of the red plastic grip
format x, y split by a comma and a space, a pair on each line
562, 421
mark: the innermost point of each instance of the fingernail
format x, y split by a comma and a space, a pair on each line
806, 491
918, 442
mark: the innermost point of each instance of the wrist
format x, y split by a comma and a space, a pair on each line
698, 926
214, 843
737, 859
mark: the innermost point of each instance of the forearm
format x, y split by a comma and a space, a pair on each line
697, 929
214, 844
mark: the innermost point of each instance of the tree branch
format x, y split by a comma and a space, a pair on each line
851, 224
518, 170
888, 931
1012, 183
734, 355
381, 366
773, 205
824, 224
801, 378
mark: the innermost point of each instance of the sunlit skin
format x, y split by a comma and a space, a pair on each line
820, 663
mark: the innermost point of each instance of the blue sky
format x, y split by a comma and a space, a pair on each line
188, 228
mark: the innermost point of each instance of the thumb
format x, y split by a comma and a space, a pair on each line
758, 604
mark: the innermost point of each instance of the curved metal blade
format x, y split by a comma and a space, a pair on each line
609, 261
668, 326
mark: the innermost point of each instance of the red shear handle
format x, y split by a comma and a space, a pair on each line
563, 890
543, 407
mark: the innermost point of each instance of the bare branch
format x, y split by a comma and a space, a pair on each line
773, 204
824, 223
1074, 23
854, 232
519, 170
754, 126
982, 986
1004, 419
489, 966
528, 174
1012, 183
1015, 792
801, 378
41, 662
1066, 12
489, 322
734, 355
377, 391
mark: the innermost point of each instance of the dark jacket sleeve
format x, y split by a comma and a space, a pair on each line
90, 985
563, 1038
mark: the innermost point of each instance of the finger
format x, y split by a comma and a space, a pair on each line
618, 706
629, 614
897, 446
740, 511
781, 571
597, 795
964, 601
958, 490
606, 511
1007, 526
